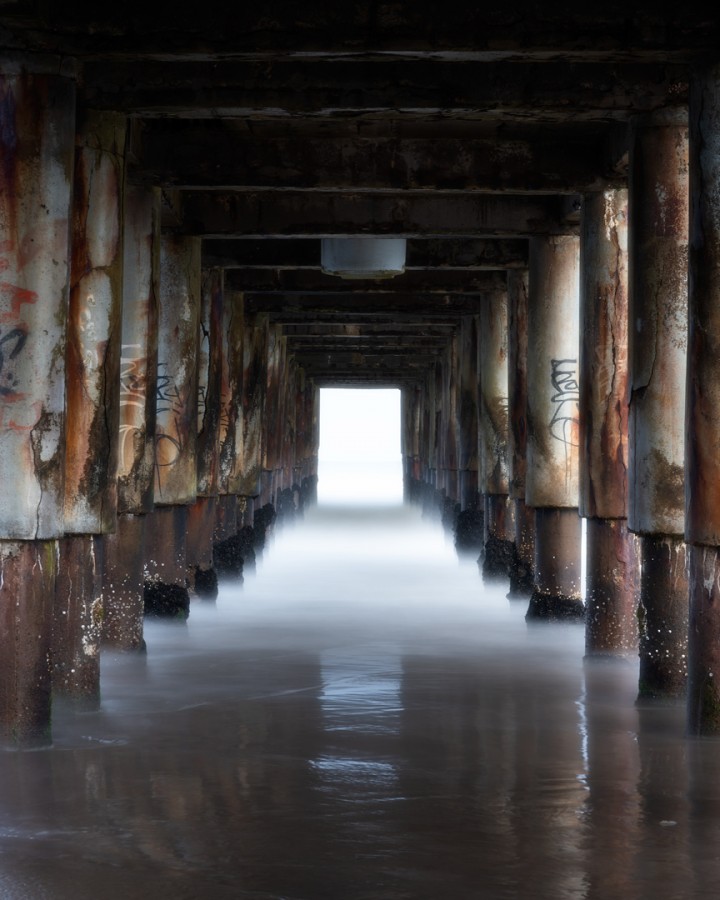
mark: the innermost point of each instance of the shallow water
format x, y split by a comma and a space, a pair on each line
363, 719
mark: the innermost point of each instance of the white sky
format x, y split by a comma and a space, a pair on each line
359, 425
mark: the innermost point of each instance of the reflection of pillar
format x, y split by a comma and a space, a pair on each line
124, 562
552, 440
37, 151
499, 524
658, 338
613, 573
609, 726
702, 526
522, 578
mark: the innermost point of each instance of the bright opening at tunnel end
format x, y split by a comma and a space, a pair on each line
359, 461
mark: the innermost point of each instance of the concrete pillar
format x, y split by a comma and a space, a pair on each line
77, 621
522, 572
659, 197
138, 364
27, 587
176, 397
494, 425
210, 372
123, 575
37, 142
468, 412
613, 572
551, 483
199, 540
123, 585
165, 590
37, 151
702, 486
94, 327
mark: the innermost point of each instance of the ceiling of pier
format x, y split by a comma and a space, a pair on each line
466, 128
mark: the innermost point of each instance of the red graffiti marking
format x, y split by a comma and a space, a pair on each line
18, 296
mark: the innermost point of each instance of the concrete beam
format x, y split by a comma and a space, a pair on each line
529, 30
563, 92
433, 214
220, 154
362, 305
274, 281
428, 253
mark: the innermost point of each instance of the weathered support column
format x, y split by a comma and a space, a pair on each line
469, 527
166, 591
702, 486
494, 425
613, 571
123, 577
92, 365
659, 197
522, 571
94, 327
552, 440
201, 515
37, 152
77, 621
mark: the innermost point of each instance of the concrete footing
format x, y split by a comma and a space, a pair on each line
522, 570
558, 548
499, 537
612, 588
123, 582
663, 617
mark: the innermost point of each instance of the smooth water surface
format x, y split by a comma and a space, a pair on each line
363, 719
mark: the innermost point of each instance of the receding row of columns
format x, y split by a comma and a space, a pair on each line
146, 420
606, 334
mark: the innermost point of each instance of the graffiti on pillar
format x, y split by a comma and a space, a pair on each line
565, 399
11, 346
133, 388
171, 410
14, 334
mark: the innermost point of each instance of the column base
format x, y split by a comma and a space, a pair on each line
469, 530
497, 559
166, 601
555, 608
205, 584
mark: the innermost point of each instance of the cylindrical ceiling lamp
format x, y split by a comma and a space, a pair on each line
363, 257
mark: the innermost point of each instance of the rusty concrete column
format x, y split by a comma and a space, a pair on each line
613, 557
494, 425
176, 400
37, 151
37, 142
165, 593
77, 621
201, 514
468, 412
411, 414
123, 585
176, 397
551, 482
27, 587
94, 326
138, 364
123, 576
522, 577
702, 485
659, 197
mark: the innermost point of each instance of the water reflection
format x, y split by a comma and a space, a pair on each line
362, 719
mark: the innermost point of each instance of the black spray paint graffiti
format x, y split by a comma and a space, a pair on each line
563, 425
11, 346
171, 408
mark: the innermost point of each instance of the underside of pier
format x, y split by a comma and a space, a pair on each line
172, 178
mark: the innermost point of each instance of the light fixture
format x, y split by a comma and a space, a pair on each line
363, 257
